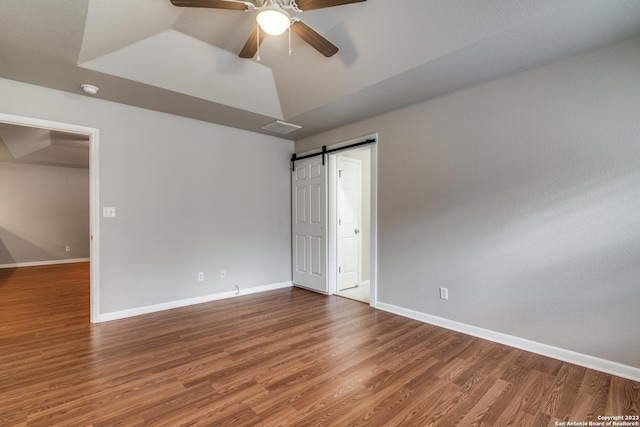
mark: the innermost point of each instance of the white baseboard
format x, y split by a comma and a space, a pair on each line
569, 356
37, 263
190, 301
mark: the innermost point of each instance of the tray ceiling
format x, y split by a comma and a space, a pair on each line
184, 61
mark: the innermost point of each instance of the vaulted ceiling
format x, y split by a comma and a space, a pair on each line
393, 53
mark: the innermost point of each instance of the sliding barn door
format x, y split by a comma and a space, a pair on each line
309, 228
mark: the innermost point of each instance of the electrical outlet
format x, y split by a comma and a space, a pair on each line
444, 293
223, 274
200, 276
108, 212
67, 248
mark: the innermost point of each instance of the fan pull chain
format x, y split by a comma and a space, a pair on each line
258, 41
289, 39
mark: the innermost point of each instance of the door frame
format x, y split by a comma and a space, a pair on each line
335, 174
332, 221
94, 218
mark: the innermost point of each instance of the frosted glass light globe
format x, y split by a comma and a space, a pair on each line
273, 22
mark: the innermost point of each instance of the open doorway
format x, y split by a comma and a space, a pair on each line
350, 223
319, 264
57, 157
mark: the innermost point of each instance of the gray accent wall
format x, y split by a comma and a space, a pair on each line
43, 209
190, 197
522, 197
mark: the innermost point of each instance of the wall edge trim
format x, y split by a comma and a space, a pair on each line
50, 262
584, 360
115, 315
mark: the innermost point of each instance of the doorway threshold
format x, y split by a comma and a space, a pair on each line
359, 293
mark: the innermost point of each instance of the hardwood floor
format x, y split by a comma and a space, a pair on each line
286, 357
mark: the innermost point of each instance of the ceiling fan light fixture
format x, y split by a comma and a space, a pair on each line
273, 21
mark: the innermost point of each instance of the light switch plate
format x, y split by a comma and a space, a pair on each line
108, 212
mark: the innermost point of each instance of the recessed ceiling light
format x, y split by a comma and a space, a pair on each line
89, 89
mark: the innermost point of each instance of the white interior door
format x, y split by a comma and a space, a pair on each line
349, 207
309, 217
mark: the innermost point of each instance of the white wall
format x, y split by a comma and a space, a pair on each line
522, 196
190, 196
42, 210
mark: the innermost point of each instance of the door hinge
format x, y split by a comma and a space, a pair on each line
339, 174
339, 221
339, 269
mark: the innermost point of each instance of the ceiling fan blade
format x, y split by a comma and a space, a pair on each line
312, 37
320, 4
216, 4
251, 46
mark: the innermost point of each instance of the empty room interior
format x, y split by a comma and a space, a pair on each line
319, 212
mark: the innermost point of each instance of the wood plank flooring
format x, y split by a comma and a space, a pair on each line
282, 358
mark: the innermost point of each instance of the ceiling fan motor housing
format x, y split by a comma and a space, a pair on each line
276, 10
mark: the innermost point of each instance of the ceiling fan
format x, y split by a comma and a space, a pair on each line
274, 19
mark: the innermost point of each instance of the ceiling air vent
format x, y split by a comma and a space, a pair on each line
281, 127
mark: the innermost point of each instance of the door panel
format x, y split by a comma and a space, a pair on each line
316, 256
300, 262
300, 211
349, 219
316, 204
309, 228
